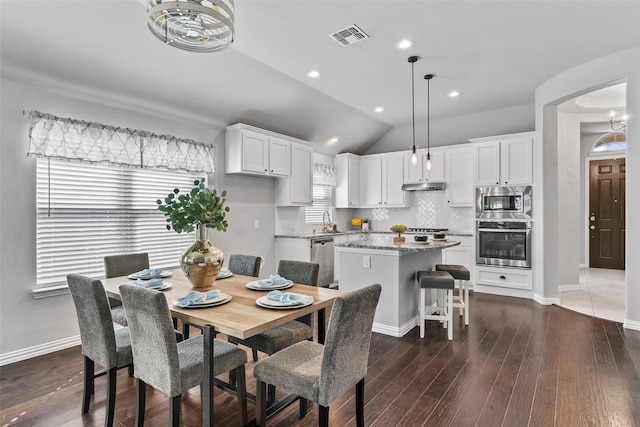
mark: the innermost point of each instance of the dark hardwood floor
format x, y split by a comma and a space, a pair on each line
517, 364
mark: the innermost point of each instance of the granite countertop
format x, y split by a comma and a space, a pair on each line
386, 243
308, 235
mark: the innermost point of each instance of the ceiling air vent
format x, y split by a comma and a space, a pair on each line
349, 35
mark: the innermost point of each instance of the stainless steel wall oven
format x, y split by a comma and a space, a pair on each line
503, 243
503, 202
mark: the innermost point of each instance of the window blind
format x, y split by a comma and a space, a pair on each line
87, 211
322, 201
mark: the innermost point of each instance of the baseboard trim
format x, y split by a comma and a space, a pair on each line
631, 324
545, 301
395, 332
38, 350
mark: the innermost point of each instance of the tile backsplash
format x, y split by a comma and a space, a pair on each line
427, 209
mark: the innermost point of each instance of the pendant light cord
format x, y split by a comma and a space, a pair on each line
413, 109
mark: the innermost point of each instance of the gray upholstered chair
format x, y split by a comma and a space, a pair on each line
247, 265
101, 343
322, 373
122, 265
173, 368
275, 339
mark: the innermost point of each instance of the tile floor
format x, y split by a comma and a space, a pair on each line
603, 295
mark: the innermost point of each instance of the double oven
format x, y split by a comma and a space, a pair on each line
503, 226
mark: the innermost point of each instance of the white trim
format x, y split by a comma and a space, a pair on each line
395, 332
39, 350
546, 301
50, 291
631, 324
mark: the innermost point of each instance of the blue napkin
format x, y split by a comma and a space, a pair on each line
224, 271
153, 283
289, 298
195, 296
148, 272
276, 280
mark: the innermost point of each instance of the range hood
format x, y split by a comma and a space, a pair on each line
424, 186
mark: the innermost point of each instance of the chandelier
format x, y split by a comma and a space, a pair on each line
414, 153
623, 123
194, 25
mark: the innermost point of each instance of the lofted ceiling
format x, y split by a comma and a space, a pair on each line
495, 53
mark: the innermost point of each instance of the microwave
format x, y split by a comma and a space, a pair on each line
503, 202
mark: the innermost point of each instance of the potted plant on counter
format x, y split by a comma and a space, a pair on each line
199, 209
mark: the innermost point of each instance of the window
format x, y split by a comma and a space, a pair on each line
322, 202
612, 141
88, 211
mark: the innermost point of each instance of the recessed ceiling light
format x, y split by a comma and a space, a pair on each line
333, 140
379, 110
454, 94
404, 44
313, 74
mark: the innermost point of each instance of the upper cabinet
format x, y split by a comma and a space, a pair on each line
459, 176
297, 188
381, 179
415, 174
347, 181
504, 159
253, 151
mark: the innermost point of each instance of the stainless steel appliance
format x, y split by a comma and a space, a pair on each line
322, 253
503, 202
504, 243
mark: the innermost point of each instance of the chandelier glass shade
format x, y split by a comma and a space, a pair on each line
193, 25
414, 153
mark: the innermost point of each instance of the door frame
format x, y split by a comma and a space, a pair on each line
622, 154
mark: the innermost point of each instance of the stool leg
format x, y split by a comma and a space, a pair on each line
423, 295
449, 309
461, 298
466, 302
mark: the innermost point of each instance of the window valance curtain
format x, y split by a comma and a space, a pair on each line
324, 174
91, 142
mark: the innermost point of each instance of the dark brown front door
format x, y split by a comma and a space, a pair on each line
606, 213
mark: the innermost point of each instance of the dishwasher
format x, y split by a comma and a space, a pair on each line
322, 253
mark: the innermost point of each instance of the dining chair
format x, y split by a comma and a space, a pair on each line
246, 265
123, 265
101, 343
173, 368
322, 373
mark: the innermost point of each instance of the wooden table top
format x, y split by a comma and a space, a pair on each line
241, 317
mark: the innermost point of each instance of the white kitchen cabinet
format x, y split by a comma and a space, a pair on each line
347, 181
253, 151
297, 188
381, 179
463, 254
503, 277
415, 174
459, 176
342, 238
504, 160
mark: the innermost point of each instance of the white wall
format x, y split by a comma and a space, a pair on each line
458, 129
614, 68
27, 323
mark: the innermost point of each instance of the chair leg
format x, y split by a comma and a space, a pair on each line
303, 407
323, 420
233, 378
261, 404
254, 353
466, 302
89, 379
271, 394
185, 331
449, 308
175, 323
111, 397
422, 311
141, 393
174, 411
241, 389
360, 403
130, 370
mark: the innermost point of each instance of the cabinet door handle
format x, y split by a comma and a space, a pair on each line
271, 170
503, 278
266, 170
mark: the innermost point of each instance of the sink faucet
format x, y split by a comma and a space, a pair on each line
325, 220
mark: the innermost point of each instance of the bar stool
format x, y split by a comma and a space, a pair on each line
442, 283
461, 275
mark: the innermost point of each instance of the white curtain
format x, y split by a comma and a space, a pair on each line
91, 142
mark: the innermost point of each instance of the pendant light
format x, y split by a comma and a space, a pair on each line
414, 154
428, 77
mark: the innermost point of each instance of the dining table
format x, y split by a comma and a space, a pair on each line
240, 317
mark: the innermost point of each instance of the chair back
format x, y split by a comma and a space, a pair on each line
305, 273
346, 349
122, 265
153, 340
247, 265
94, 319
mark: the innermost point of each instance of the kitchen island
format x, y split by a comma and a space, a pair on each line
377, 259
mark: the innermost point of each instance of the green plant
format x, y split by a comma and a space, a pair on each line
200, 206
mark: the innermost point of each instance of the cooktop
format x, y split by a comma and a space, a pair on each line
426, 230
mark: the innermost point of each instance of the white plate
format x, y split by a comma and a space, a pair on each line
254, 285
421, 243
162, 275
164, 286
269, 303
219, 300
224, 276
